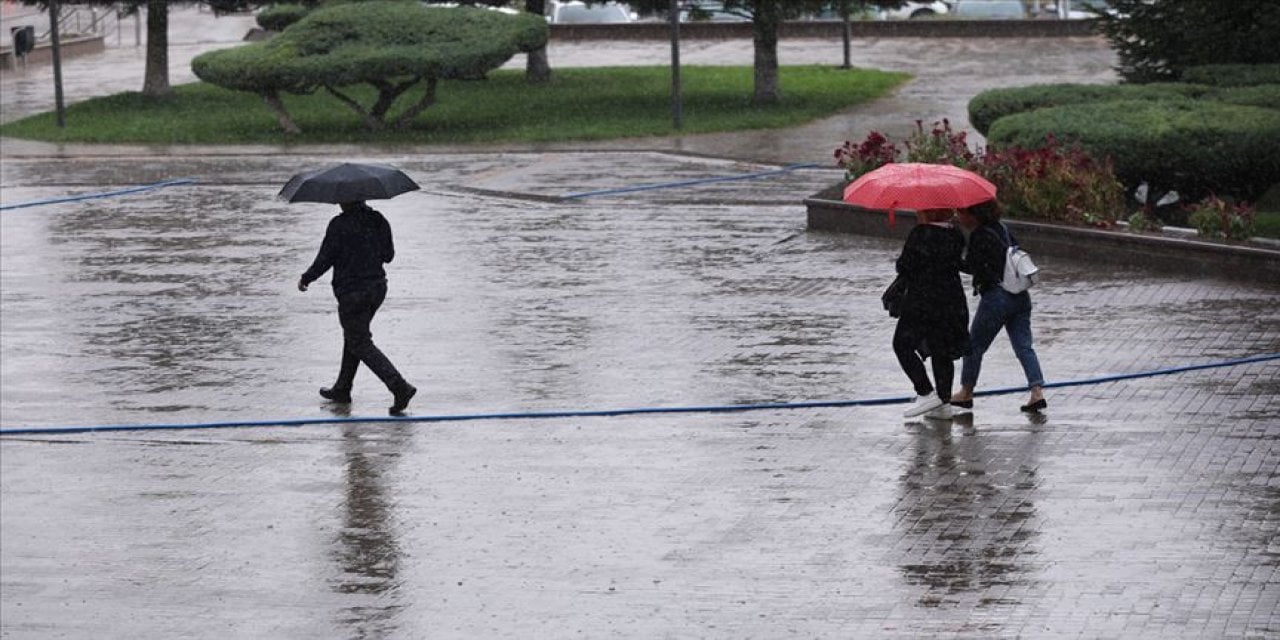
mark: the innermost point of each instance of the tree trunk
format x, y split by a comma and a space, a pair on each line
428, 99
537, 68
156, 77
768, 15
282, 115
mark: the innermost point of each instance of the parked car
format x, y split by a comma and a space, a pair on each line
582, 13
915, 10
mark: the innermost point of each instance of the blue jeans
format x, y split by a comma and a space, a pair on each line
1012, 312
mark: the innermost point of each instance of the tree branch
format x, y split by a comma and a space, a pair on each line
428, 99
370, 122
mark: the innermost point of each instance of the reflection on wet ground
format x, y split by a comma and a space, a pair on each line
1135, 509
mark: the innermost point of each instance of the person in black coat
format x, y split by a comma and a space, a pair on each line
989, 241
356, 245
934, 321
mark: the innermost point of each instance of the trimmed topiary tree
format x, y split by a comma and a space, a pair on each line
391, 45
1194, 147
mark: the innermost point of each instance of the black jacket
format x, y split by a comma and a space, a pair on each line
356, 246
934, 311
985, 255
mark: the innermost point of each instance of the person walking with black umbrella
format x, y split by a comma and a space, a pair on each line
356, 245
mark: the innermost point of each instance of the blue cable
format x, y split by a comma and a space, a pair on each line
687, 183
108, 194
596, 413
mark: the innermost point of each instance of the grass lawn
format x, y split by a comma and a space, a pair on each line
579, 104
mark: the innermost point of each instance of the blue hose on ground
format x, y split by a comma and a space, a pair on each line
108, 194
596, 413
688, 183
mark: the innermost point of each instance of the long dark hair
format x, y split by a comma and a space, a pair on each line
986, 212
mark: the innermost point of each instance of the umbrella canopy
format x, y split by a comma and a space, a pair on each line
919, 186
347, 182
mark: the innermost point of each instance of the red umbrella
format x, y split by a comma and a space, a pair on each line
918, 186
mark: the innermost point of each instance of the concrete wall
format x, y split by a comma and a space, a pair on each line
1161, 252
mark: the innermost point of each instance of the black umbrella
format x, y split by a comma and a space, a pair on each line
347, 182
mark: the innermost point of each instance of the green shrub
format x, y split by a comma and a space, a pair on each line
1233, 75
993, 104
1055, 183
279, 16
1193, 147
1217, 218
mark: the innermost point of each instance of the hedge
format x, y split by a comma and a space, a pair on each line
1194, 147
993, 104
1263, 95
279, 16
1233, 75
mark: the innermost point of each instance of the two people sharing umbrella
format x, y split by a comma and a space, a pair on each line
356, 245
933, 317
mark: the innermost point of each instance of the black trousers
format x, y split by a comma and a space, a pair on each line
355, 312
905, 345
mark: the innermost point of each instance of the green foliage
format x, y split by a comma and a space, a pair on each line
993, 104
1140, 222
391, 45
939, 145
1263, 95
279, 16
1234, 75
579, 104
1161, 40
1218, 218
1194, 147
373, 42
1055, 183
1048, 182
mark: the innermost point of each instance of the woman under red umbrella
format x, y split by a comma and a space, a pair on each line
934, 320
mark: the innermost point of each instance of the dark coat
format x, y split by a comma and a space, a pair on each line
934, 312
984, 257
356, 245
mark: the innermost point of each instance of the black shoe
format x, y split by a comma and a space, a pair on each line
1038, 405
962, 404
403, 394
341, 396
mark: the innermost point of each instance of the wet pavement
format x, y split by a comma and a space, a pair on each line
1147, 508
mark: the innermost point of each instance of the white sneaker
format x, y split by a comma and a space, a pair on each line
945, 412
923, 404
